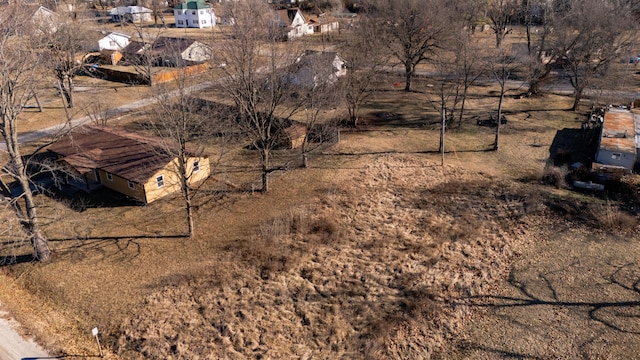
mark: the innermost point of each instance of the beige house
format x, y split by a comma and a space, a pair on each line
136, 165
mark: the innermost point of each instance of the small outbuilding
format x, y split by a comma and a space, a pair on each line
617, 146
114, 41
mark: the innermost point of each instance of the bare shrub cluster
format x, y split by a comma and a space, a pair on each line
555, 175
608, 216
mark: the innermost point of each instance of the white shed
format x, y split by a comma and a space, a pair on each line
114, 41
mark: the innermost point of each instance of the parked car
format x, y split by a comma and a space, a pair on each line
632, 59
492, 122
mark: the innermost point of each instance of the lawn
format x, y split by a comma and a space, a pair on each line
374, 251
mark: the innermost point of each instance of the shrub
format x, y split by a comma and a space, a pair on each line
555, 175
609, 217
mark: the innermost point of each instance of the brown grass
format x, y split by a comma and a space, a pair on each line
362, 255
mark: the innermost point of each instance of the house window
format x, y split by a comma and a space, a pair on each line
204, 22
193, 13
109, 177
180, 22
131, 185
196, 166
201, 12
616, 156
160, 181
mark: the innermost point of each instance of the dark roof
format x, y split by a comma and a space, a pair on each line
287, 15
171, 45
131, 156
197, 4
314, 63
134, 47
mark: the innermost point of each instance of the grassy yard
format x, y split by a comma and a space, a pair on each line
374, 251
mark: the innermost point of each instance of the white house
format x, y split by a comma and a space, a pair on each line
316, 67
294, 22
194, 14
114, 41
134, 14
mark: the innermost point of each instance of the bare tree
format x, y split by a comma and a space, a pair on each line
182, 131
67, 45
592, 35
541, 56
501, 66
319, 72
468, 56
255, 75
20, 67
364, 62
468, 12
446, 90
500, 14
413, 30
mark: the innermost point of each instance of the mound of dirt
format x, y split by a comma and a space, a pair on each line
371, 274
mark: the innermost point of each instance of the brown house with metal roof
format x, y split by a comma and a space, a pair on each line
136, 165
617, 148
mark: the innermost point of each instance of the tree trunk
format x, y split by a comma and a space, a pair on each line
577, 95
35, 96
408, 68
462, 102
497, 139
265, 170
534, 87
70, 91
443, 114
189, 211
30, 224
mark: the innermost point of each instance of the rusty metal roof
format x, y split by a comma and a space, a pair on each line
618, 131
134, 157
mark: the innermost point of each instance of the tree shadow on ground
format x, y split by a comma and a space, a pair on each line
619, 313
101, 244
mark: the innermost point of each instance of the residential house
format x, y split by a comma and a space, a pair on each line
323, 23
294, 23
178, 52
133, 14
136, 53
194, 14
44, 19
617, 146
114, 41
316, 67
138, 166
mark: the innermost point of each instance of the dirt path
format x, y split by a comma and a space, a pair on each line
13, 346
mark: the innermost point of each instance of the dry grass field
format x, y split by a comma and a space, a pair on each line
375, 251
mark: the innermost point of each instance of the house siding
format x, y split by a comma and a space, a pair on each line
172, 180
120, 185
607, 157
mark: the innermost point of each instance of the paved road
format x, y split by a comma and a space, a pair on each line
13, 346
120, 110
